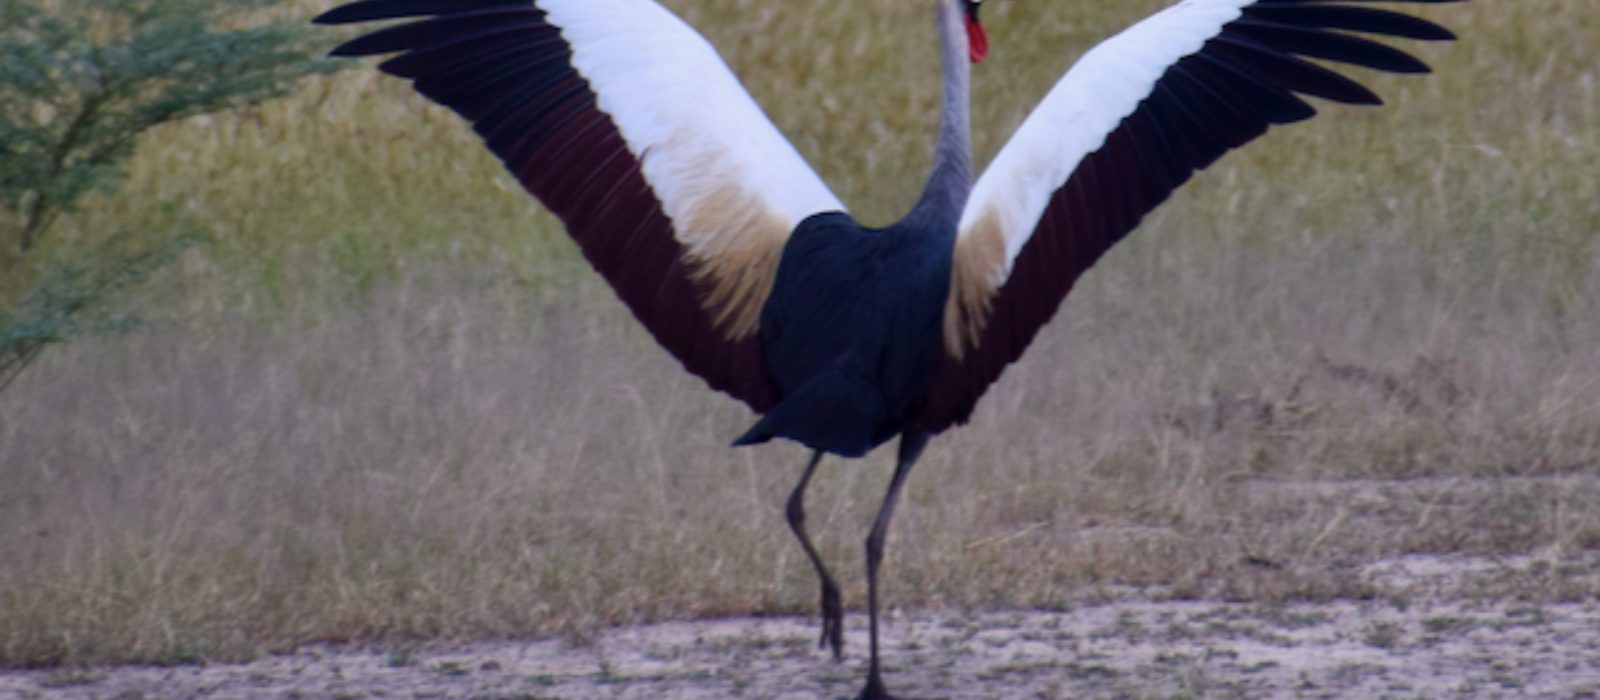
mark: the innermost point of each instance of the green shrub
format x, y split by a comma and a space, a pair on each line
80, 83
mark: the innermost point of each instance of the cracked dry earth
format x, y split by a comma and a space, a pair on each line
1430, 648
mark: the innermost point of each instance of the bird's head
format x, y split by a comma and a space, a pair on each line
977, 41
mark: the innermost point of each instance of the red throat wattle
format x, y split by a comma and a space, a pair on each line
977, 41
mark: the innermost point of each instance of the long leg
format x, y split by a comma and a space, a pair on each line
832, 609
911, 444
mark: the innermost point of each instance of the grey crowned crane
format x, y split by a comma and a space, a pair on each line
735, 255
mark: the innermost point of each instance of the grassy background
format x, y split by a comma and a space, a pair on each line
392, 403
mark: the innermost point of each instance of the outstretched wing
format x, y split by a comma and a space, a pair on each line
1130, 122
624, 122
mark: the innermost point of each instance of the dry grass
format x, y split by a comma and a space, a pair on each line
391, 403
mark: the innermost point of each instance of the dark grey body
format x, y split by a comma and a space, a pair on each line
851, 332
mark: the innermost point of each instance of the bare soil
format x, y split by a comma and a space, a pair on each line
1428, 638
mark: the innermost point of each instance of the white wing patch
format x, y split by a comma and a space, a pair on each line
1073, 120
732, 185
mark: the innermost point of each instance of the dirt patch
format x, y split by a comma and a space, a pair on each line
1429, 638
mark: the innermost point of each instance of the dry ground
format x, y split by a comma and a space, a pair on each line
1419, 641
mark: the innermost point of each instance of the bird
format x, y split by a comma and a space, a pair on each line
741, 262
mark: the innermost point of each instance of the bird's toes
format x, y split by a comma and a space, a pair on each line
874, 690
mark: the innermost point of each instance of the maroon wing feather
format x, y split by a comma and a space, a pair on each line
1229, 92
507, 70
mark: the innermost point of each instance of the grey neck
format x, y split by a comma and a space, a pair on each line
951, 180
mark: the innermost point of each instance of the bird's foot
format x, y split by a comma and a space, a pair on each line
874, 689
832, 620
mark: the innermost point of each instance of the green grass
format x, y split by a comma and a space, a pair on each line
391, 402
